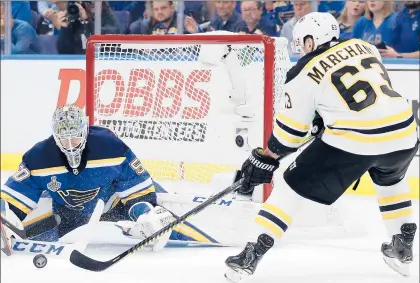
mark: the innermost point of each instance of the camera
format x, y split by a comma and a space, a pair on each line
72, 11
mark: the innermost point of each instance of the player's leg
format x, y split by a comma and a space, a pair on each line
393, 192
321, 173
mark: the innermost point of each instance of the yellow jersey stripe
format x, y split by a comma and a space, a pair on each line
15, 203
397, 214
269, 225
45, 170
278, 212
374, 138
292, 123
36, 219
139, 194
396, 198
280, 133
375, 123
106, 160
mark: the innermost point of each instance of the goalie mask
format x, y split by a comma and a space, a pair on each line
70, 129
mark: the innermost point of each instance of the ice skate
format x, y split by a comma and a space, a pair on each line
399, 253
245, 263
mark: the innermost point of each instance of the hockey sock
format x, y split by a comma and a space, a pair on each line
395, 205
276, 213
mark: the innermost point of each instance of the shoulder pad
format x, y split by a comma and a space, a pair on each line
103, 143
44, 154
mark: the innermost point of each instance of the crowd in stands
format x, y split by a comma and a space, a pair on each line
62, 27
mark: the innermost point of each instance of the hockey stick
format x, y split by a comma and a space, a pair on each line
43, 225
85, 262
20, 232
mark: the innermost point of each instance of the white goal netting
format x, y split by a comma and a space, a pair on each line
190, 108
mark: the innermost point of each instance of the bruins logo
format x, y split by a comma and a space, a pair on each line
75, 199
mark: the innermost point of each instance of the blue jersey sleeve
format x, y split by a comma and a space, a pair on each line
21, 191
135, 183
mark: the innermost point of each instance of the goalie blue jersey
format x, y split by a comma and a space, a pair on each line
109, 170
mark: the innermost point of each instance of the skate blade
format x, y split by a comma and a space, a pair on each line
399, 267
235, 276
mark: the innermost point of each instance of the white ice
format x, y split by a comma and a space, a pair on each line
314, 260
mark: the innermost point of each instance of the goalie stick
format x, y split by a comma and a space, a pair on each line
85, 262
44, 225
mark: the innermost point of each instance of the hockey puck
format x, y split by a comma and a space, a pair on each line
40, 261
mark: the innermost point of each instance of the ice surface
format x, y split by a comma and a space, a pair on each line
315, 260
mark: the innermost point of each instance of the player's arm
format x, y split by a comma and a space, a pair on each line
21, 192
136, 190
290, 130
19, 196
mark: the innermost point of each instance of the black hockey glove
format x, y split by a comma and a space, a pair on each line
257, 169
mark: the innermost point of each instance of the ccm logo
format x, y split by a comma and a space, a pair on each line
221, 202
37, 248
260, 165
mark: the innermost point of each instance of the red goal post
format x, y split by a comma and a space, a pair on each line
168, 98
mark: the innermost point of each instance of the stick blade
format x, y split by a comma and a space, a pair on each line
85, 262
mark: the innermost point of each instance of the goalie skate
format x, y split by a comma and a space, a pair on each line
399, 253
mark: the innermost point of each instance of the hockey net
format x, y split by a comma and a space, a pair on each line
191, 107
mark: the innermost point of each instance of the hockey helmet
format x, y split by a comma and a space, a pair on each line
322, 27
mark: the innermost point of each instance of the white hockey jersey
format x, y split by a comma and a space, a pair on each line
350, 88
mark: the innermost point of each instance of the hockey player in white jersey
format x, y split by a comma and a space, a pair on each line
369, 127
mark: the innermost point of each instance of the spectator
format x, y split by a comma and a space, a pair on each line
21, 10
135, 8
23, 35
76, 28
284, 11
407, 33
53, 13
332, 7
227, 18
301, 8
351, 12
163, 20
253, 22
45, 8
208, 13
376, 26
109, 22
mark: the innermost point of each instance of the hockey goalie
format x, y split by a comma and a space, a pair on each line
78, 165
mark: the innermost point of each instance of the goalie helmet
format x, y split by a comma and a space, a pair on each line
70, 129
322, 27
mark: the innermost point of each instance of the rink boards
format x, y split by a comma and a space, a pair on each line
28, 104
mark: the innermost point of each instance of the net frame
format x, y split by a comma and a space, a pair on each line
270, 75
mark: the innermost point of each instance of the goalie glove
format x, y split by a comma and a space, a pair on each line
150, 220
257, 169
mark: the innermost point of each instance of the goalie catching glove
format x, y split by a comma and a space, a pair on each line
149, 220
257, 169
